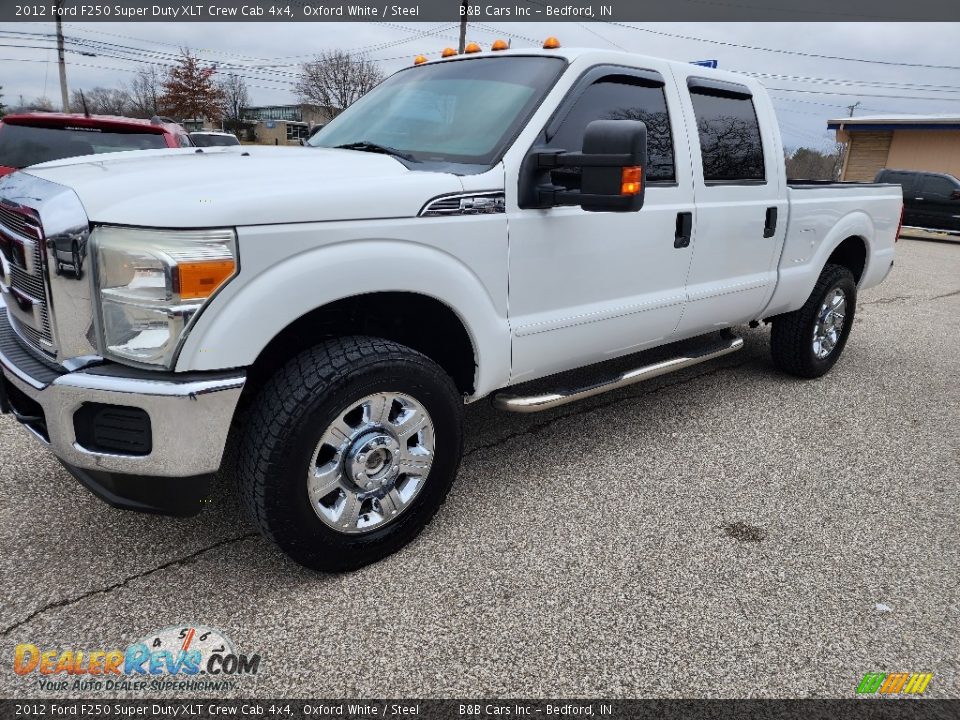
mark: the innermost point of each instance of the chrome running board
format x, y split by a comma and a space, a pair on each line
538, 403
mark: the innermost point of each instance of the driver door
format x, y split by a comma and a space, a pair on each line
590, 286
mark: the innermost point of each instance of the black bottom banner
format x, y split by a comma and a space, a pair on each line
892, 709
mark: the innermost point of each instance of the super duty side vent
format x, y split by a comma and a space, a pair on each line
468, 204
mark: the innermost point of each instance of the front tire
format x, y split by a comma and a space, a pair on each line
349, 450
809, 341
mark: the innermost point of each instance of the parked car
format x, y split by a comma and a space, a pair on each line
213, 138
470, 225
931, 201
30, 138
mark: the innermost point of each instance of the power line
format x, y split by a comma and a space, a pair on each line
861, 94
782, 51
921, 87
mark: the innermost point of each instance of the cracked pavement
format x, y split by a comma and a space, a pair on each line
725, 531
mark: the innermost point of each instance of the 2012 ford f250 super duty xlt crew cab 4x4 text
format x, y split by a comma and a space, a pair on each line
472, 224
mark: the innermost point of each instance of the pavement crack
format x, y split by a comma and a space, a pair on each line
541, 426
67, 602
949, 294
887, 301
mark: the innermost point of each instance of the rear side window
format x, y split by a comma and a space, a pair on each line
622, 97
938, 187
730, 143
24, 145
907, 181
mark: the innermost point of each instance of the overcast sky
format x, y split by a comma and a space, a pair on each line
268, 54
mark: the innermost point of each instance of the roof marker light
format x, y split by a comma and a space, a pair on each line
500, 45
419, 60
551, 43
448, 52
472, 48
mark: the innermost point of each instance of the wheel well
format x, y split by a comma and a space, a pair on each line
417, 321
851, 254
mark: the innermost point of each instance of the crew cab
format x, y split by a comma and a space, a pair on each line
313, 320
36, 137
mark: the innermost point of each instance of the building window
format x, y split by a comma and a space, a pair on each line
730, 144
297, 132
277, 112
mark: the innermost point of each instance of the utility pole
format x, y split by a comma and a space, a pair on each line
463, 26
64, 97
845, 155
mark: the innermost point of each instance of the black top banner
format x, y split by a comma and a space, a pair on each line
552, 11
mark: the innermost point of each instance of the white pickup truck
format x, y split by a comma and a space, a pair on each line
472, 224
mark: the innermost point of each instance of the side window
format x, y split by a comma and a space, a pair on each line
938, 187
730, 143
909, 182
620, 97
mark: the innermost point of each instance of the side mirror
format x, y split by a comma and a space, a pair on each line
612, 170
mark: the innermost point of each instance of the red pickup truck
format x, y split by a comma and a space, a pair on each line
36, 137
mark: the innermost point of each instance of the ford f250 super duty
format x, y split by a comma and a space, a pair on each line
472, 224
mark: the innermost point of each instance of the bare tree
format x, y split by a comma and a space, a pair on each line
3, 108
336, 79
101, 101
235, 99
42, 104
145, 91
809, 164
189, 90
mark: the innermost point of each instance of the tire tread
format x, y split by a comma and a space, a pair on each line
320, 370
790, 334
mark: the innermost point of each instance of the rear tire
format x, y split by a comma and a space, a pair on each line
330, 440
808, 341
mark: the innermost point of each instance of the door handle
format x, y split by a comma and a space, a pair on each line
770, 225
681, 238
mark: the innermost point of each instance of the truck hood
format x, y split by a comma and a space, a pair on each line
224, 187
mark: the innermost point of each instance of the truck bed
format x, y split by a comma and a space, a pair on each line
821, 214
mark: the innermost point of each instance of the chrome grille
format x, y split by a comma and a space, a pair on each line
19, 235
30, 284
17, 222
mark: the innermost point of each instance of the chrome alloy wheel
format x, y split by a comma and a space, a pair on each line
829, 324
371, 462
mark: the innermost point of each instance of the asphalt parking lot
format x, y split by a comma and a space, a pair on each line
723, 532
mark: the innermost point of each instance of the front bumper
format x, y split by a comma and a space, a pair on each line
189, 414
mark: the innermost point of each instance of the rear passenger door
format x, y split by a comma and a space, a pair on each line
940, 209
740, 192
912, 203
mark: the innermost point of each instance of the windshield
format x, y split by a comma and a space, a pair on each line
23, 145
465, 111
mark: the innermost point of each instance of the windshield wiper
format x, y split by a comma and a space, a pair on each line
365, 146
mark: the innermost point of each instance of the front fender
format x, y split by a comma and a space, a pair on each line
286, 272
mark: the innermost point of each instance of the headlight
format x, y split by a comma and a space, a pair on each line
151, 283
